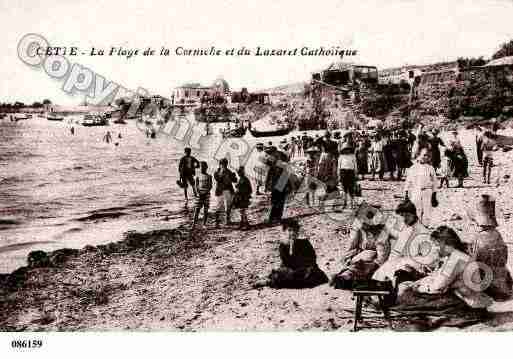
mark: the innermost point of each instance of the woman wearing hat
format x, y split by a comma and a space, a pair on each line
412, 251
363, 256
489, 248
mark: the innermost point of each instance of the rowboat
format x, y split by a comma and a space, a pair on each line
278, 132
54, 117
20, 117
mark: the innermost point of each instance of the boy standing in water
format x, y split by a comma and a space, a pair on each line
203, 187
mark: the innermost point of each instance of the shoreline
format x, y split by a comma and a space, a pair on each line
171, 279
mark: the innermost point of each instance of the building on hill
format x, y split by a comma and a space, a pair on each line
346, 74
195, 93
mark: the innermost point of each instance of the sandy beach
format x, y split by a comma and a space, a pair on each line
178, 279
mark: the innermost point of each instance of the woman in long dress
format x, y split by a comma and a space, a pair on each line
458, 159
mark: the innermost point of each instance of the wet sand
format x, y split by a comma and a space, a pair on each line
179, 279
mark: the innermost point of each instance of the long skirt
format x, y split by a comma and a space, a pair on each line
361, 270
348, 179
307, 277
459, 165
377, 164
362, 163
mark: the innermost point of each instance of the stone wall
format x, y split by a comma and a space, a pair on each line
476, 91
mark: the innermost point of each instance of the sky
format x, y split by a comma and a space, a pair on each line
384, 33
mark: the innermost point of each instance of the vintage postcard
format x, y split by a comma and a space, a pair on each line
195, 166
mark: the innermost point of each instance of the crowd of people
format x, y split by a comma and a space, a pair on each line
377, 251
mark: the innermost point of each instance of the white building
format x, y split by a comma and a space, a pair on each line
193, 93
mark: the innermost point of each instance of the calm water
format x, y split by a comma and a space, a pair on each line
59, 190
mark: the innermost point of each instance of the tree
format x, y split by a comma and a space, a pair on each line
506, 49
466, 62
18, 104
37, 104
47, 102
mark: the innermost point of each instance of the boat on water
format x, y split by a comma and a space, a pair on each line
278, 132
54, 117
271, 125
90, 120
21, 117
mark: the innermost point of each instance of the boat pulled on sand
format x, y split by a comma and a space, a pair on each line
54, 117
21, 117
90, 120
236, 132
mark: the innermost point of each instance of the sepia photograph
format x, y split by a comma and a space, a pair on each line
278, 166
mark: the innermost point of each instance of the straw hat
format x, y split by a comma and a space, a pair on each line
313, 149
485, 211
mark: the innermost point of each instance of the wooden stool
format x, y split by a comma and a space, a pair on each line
369, 289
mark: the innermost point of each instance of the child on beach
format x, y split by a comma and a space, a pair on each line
203, 187
488, 145
242, 196
224, 190
445, 169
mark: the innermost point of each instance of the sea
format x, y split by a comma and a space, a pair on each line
62, 190
59, 190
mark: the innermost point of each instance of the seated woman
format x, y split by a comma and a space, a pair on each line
364, 255
413, 253
448, 284
298, 262
488, 248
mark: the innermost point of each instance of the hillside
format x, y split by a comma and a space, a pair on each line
293, 88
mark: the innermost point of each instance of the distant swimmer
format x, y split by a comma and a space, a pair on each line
72, 130
108, 137
119, 135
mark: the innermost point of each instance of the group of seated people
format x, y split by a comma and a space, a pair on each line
425, 268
